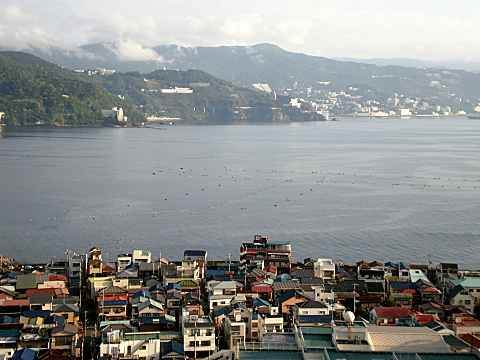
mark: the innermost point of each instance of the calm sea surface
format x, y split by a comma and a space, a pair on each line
362, 189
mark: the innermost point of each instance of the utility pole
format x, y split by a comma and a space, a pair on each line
229, 262
354, 297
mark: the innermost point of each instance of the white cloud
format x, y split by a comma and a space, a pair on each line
130, 50
375, 28
13, 14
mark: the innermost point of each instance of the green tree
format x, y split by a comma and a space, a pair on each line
362, 312
388, 303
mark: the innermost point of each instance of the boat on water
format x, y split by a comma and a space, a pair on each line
474, 117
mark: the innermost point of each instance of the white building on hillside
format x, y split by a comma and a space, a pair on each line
117, 113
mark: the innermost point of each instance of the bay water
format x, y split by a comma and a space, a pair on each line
358, 189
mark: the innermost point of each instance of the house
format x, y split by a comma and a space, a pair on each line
390, 316
264, 291
123, 260
430, 293
195, 255
375, 340
402, 299
268, 252
269, 324
173, 350
65, 338
461, 296
69, 312
324, 269
309, 312
25, 282
237, 325
173, 301
140, 256
136, 345
472, 285
41, 301
157, 323
222, 292
75, 269
112, 307
371, 274
198, 334
290, 299
150, 308
369, 301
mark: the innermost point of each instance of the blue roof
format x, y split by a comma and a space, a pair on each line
133, 266
317, 319
172, 286
6, 320
260, 302
215, 272
403, 285
279, 242
141, 293
153, 320
113, 302
36, 313
194, 253
9, 275
55, 319
255, 317
25, 354
220, 311
156, 287
219, 277
172, 346
391, 264
9, 333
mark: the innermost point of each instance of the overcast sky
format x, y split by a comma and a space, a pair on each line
421, 29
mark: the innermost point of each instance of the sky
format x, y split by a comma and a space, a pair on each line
433, 30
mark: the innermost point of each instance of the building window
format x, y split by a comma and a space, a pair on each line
467, 302
205, 343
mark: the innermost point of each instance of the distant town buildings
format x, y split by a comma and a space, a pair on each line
263, 306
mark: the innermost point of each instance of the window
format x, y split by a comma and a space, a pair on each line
405, 302
468, 302
205, 343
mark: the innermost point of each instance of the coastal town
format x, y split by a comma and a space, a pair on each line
256, 304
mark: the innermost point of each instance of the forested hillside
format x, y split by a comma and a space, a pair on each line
35, 91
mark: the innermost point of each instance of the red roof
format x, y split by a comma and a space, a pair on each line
112, 298
410, 291
375, 263
270, 268
363, 264
262, 289
57, 278
423, 319
40, 291
419, 267
25, 302
392, 312
430, 290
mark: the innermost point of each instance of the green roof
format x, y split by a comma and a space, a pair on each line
162, 335
401, 295
26, 282
188, 283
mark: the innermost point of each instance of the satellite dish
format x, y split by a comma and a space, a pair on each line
349, 317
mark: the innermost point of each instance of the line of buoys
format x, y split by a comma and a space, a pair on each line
112, 215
